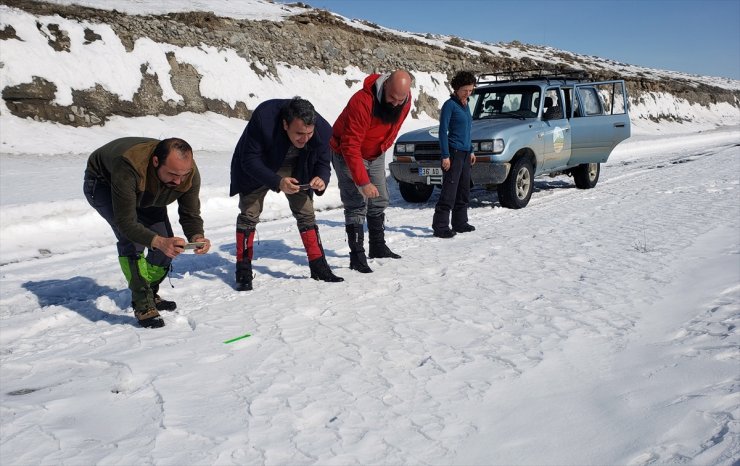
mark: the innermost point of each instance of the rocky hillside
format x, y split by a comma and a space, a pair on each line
310, 39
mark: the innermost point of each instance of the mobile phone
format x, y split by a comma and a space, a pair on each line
304, 187
195, 245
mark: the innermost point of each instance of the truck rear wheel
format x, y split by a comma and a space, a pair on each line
415, 192
586, 175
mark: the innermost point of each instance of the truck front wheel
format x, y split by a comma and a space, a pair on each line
516, 190
415, 192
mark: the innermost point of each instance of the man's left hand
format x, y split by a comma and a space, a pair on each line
205, 248
317, 184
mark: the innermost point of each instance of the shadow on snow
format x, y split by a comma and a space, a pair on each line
79, 294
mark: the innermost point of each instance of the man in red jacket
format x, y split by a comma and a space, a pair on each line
365, 129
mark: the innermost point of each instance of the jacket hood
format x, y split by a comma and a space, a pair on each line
370, 80
377, 80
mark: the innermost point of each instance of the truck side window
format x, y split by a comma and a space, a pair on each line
553, 107
591, 101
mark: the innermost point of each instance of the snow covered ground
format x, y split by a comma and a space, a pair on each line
592, 327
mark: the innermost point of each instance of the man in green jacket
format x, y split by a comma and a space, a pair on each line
130, 181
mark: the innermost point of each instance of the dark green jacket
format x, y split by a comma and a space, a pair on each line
126, 166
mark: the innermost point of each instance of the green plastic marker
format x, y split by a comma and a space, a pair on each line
238, 338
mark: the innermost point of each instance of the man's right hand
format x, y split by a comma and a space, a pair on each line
369, 191
289, 185
171, 247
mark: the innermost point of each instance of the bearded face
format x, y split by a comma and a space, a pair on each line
389, 110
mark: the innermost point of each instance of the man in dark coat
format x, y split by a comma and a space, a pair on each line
285, 147
130, 182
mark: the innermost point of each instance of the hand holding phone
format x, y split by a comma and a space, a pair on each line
195, 245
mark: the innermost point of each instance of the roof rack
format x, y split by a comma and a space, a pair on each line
532, 75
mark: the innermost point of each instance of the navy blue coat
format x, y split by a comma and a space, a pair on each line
260, 152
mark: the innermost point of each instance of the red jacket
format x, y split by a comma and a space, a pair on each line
358, 135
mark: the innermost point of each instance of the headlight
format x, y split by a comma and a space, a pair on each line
475, 147
495, 147
404, 148
498, 146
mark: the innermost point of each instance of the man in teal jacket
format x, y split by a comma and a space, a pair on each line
129, 182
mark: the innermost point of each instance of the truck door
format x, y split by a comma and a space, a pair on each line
600, 121
555, 131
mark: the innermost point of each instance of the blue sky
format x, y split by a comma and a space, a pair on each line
694, 36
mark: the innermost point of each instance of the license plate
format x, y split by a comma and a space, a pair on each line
429, 171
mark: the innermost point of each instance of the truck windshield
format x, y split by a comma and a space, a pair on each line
506, 102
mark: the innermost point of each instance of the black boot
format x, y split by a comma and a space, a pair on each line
244, 275
356, 238
159, 303
320, 271
316, 258
163, 304
244, 252
375, 229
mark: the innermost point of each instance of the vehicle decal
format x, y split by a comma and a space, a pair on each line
558, 139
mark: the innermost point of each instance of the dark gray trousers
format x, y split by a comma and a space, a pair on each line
356, 207
455, 195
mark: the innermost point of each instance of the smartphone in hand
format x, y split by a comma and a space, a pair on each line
195, 245
304, 187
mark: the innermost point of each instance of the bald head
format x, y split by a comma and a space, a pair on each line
397, 87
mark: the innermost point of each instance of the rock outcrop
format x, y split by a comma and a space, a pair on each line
313, 40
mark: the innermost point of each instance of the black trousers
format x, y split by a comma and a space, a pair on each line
455, 195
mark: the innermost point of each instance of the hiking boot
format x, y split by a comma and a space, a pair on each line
244, 275
444, 233
149, 318
320, 271
244, 254
163, 304
358, 261
355, 239
244, 286
380, 250
376, 231
465, 228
